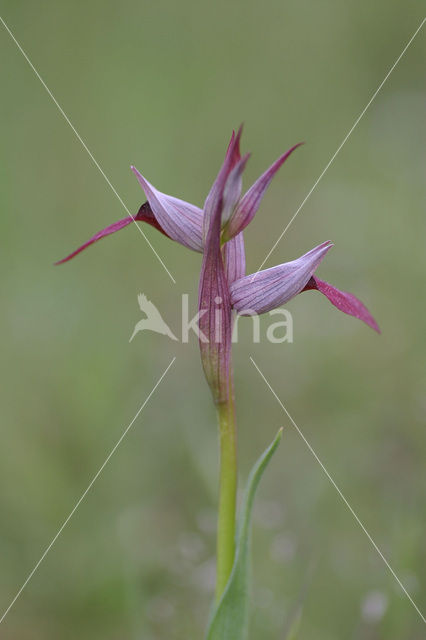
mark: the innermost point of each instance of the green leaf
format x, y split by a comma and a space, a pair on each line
230, 620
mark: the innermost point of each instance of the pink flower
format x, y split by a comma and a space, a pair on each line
217, 232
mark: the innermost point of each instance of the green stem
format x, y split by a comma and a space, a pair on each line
227, 493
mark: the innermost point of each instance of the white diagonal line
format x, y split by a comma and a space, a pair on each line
339, 492
342, 143
80, 139
80, 500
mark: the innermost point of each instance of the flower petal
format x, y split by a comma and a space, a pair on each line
180, 220
232, 190
234, 147
344, 301
214, 305
235, 258
216, 194
144, 214
268, 289
249, 203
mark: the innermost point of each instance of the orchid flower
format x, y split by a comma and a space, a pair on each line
216, 231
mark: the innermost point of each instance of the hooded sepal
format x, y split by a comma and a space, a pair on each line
232, 190
215, 197
269, 289
180, 220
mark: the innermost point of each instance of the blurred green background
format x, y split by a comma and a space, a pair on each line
161, 85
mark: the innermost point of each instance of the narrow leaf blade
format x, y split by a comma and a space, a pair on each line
230, 620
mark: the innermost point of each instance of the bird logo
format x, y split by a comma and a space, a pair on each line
153, 320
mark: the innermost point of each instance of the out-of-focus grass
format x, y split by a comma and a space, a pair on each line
161, 85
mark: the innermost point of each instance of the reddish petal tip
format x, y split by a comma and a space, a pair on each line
246, 157
323, 248
290, 151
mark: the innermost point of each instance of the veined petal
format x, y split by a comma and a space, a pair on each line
344, 301
232, 190
144, 215
180, 220
235, 258
233, 150
268, 289
216, 194
215, 311
249, 203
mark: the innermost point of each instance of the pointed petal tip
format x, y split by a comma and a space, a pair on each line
70, 256
371, 322
141, 179
245, 159
250, 202
234, 143
287, 153
323, 248
231, 141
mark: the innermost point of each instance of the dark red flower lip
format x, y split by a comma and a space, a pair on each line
143, 215
344, 301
